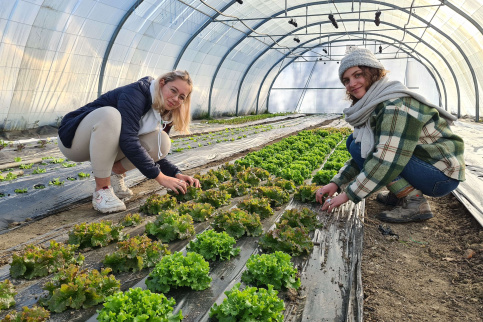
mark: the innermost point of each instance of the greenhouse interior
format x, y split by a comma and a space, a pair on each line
241, 160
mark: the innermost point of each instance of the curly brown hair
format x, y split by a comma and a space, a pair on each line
372, 75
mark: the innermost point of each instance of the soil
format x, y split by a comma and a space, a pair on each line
426, 271
429, 271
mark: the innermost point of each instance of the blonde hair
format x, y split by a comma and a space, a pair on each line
181, 116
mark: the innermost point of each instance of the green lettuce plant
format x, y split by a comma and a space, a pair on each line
295, 241
34, 314
235, 189
306, 193
131, 220
96, 234
212, 245
135, 254
177, 270
238, 222
216, 198
276, 195
138, 305
155, 204
35, 261
7, 294
323, 177
251, 304
198, 211
275, 269
170, 225
301, 218
192, 193
75, 288
260, 206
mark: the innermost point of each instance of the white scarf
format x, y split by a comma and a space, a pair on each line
152, 121
358, 115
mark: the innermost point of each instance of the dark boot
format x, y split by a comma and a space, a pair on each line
388, 198
414, 208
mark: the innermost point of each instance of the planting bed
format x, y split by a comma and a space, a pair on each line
39, 202
330, 273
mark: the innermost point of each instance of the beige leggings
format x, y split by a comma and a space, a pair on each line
97, 140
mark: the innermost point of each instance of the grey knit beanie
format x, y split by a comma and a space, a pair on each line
358, 57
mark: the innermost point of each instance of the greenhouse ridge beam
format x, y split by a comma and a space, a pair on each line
342, 40
257, 26
422, 41
323, 14
387, 5
396, 40
111, 43
395, 26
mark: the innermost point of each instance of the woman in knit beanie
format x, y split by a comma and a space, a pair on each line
400, 141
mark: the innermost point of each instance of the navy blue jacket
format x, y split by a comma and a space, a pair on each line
132, 101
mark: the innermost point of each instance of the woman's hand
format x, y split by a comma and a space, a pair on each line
329, 189
190, 180
175, 184
331, 203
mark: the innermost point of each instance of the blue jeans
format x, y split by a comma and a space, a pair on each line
421, 175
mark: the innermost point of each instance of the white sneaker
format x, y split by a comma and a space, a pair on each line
105, 201
119, 186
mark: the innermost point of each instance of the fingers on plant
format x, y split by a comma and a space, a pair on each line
306, 193
192, 193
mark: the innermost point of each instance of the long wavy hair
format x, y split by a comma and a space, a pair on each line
372, 75
181, 116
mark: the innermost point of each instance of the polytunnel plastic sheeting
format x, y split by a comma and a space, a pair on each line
58, 55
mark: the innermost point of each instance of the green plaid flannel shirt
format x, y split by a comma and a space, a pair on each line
403, 127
